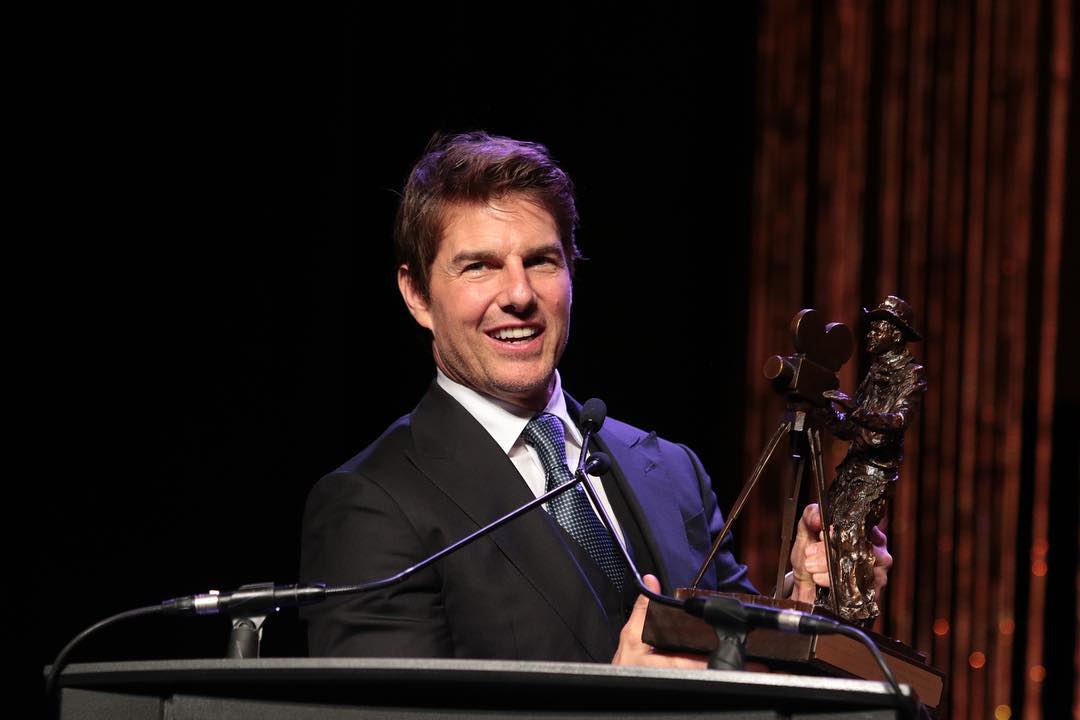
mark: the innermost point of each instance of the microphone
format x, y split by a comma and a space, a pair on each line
597, 464
593, 414
727, 611
250, 600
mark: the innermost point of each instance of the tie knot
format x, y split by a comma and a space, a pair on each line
545, 430
545, 433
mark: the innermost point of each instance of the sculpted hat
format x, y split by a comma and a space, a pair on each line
898, 312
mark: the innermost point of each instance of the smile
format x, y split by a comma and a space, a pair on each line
514, 335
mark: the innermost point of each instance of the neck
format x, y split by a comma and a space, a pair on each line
532, 400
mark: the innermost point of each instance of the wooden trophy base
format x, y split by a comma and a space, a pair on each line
671, 629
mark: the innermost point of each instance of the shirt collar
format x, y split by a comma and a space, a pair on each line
503, 421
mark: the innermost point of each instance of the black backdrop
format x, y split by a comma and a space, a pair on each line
204, 308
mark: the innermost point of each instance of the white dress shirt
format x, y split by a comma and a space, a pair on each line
505, 423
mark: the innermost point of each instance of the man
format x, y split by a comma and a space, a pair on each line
485, 242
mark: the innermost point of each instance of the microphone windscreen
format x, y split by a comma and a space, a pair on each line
597, 464
593, 413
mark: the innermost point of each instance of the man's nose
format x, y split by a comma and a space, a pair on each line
516, 294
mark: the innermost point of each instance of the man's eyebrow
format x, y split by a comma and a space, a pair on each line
466, 257
554, 248
470, 256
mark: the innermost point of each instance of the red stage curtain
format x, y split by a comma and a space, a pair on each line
918, 148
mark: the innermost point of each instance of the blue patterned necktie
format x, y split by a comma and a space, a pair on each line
571, 509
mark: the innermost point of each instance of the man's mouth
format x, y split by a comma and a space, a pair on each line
514, 335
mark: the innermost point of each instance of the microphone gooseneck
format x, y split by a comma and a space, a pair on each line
730, 610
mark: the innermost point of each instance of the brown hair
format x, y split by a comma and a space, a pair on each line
475, 168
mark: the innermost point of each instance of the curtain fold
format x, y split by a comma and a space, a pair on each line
918, 148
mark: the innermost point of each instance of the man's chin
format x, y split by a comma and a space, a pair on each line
531, 392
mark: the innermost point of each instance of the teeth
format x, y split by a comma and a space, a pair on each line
514, 333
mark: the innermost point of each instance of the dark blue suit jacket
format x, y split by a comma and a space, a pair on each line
520, 593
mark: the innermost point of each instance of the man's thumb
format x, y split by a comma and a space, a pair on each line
641, 605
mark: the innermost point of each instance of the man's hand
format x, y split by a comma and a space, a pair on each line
632, 651
808, 557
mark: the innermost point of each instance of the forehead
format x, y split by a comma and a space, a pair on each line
516, 219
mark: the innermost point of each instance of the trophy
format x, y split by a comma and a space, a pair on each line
873, 422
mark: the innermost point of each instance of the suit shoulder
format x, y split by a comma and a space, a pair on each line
386, 457
388, 447
633, 435
379, 475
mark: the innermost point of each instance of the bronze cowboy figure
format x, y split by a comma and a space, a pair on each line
874, 422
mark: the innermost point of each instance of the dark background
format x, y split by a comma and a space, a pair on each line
206, 288
203, 312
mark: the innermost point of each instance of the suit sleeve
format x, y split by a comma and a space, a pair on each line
355, 532
731, 575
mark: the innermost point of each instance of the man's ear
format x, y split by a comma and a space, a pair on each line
418, 306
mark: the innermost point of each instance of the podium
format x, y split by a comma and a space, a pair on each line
353, 688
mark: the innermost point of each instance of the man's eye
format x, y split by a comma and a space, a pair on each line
471, 267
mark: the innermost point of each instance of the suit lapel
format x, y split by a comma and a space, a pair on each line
640, 472
455, 452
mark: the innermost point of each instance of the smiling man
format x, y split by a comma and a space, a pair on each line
498, 298
485, 237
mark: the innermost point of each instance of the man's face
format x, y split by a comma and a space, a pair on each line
500, 295
883, 337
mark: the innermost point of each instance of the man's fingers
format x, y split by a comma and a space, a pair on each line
882, 559
636, 621
641, 605
632, 651
684, 662
816, 562
806, 554
810, 523
652, 583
